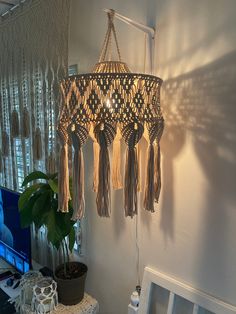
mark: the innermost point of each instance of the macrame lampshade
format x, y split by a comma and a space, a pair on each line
109, 104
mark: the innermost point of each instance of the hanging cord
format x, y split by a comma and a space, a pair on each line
137, 251
138, 281
145, 53
106, 48
38, 154
25, 125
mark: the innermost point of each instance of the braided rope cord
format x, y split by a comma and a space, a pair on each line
107, 44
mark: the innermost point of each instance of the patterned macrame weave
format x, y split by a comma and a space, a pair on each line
111, 103
34, 53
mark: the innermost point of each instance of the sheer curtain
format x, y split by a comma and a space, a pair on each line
33, 58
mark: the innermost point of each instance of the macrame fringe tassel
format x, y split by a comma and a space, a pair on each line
96, 149
38, 145
131, 182
149, 194
78, 185
139, 166
63, 180
116, 164
25, 123
15, 128
157, 171
51, 163
103, 193
5, 144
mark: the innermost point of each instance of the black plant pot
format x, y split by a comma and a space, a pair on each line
71, 288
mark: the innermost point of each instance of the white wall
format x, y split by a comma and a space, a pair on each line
192, 234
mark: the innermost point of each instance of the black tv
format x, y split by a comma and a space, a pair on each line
15, 242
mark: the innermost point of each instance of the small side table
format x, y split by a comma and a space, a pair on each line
88, 305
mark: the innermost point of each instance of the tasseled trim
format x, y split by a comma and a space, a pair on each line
103, 193
96, 150
25, 123
63, 180
38, 145
132, 133
131, 182
139, 167
51, 163
105, 134
78, 185
157, 171
1, 168
5, 144
116, 162
155, 133
15, 129
79, 135
148, 203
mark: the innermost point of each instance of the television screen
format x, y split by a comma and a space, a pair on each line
15, 245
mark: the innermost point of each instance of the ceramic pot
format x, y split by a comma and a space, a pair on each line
71, 290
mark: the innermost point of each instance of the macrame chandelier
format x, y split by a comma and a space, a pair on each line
107, 105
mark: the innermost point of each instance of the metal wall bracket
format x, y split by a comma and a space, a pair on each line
150, 31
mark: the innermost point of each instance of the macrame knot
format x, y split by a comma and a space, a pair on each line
79, 135
110, 15
153, 171
116, 162
155, 130
132, 133
105, 134
63, 173
62, 134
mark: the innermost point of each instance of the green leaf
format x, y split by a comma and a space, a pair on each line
53, 185
41, 208
59, 226
53, 175
71, 239
26, 217
34, 176
54, 231
24, 197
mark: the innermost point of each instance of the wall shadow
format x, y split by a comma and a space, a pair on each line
203, 103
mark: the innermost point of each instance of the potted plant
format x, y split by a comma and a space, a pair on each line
38, 204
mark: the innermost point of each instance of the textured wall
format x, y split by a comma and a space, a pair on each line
192, 234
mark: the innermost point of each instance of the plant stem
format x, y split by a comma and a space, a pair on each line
64, 257
67, 251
